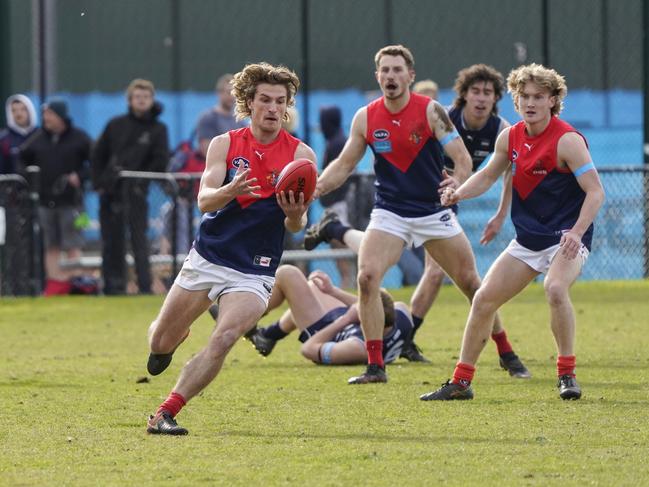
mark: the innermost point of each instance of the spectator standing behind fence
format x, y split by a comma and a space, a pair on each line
21, 123
220, 118
62, 153
136, 141
336, 201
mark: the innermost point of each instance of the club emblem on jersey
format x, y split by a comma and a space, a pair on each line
271, 178
414, 138
381, 134
538, 169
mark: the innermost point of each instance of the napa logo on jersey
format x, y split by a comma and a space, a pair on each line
381, 143
381, 134
237, 162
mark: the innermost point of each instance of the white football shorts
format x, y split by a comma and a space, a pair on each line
198, 274
540, 260
416, 231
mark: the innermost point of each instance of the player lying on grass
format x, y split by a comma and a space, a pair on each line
330, 228
328, 321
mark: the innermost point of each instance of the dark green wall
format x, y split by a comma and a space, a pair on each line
187, 44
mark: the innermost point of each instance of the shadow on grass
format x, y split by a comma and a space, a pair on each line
37, 384
369, 436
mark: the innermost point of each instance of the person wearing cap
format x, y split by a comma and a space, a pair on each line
62, 152
135, 141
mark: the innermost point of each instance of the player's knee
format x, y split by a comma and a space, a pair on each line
469, 283
484, 301
555, 292
159, 341
368, 281
433, 275
287, 272
222, 341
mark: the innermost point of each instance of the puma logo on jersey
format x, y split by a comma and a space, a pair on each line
259, 154
529, 147
397, 122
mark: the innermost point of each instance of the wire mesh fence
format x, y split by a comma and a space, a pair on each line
153, 254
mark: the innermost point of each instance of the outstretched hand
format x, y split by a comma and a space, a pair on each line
240, 184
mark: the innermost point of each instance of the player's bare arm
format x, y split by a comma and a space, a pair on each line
573, 153
483, 179
293, 205
345, 352
324, 284
495, 223
340, 168
443, 128
213, 194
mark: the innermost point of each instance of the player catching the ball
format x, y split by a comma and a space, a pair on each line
409, 135
556, 195
239, 241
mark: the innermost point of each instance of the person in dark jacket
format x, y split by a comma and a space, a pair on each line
62, 152
21, 124
136, 141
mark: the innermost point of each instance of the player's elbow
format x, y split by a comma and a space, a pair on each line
310, 351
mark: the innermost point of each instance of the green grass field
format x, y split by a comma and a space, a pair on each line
73, 412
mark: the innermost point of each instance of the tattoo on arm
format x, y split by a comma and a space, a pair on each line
443, 121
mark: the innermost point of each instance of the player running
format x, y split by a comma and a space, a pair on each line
557, 194
239, 242
409, 135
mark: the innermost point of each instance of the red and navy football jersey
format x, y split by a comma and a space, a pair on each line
546, 200
408, 158
480, 143
247, 234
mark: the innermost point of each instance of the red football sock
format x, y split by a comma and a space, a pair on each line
173, 404
502, 344
463, 374
566, 365
375, 352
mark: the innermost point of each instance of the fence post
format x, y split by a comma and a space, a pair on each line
645, 72
35, 262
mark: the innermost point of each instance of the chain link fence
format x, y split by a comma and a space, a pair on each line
619, 248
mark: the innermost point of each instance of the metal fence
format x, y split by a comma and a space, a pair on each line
620, 246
